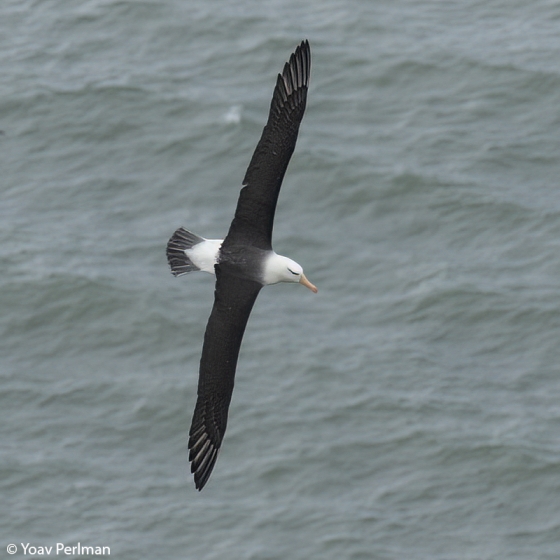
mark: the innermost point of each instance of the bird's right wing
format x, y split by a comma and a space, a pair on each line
234, 299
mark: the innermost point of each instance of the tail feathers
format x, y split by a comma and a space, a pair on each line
180, 241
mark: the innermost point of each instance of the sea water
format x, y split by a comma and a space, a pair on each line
410, 409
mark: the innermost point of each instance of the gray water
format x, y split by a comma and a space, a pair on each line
409, 410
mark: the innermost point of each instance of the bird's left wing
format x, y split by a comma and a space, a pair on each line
233, 301
254, 216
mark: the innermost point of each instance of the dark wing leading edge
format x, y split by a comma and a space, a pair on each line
254, 216
234, 299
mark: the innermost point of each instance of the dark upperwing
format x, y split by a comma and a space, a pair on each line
254, 216
233, 300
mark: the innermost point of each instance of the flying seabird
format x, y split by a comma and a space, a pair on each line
243, 262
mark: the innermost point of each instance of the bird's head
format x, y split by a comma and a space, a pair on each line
282, 269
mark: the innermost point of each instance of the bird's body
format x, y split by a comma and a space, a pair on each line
243, 262
265, 267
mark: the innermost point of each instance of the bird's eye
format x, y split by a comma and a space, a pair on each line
294, 273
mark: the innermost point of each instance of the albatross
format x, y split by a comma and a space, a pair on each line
243, 263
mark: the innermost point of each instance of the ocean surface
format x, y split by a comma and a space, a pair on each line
409, 410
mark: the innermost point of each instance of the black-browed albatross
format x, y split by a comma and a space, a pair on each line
243, 262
